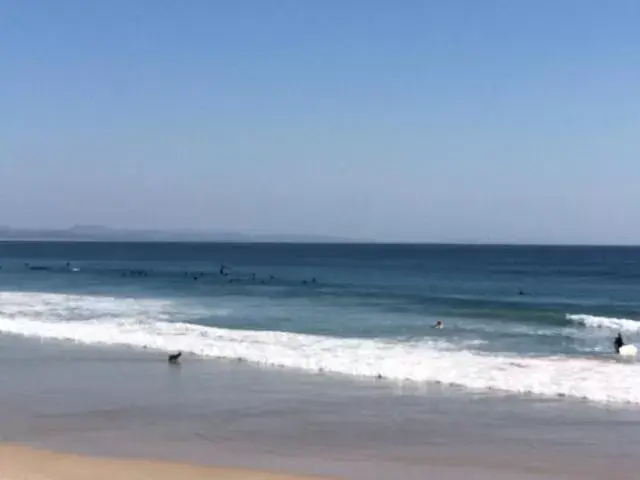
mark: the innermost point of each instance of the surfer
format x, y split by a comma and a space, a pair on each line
439, 324
618, 343
175, 357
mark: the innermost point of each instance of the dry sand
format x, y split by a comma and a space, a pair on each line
25, 463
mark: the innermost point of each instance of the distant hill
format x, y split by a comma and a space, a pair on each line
99, 233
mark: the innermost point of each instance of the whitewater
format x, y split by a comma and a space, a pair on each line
621, 324
165, 326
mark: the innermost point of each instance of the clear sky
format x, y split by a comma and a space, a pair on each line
438, 120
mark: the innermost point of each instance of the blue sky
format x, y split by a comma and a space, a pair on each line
499, 121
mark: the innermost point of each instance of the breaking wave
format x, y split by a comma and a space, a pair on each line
605, 322
165, 326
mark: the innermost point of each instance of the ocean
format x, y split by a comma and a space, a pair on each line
322, 358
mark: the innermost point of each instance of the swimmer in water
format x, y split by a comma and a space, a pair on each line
439, 324
618, 343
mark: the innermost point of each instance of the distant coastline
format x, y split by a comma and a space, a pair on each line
108, 234
91, 233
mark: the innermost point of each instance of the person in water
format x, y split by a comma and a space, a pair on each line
439, 324
618, 343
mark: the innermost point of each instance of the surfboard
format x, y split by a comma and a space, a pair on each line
628, 351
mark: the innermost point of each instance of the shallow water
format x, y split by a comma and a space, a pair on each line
113, 401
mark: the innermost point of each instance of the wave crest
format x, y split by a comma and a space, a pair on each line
613, 323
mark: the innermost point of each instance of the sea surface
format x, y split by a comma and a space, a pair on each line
323, 357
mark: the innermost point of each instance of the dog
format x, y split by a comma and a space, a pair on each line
175, 357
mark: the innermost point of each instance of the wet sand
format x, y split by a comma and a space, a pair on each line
24, 463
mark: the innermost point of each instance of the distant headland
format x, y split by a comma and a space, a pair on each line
99, 233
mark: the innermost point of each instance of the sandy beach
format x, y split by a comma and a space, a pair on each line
24, 463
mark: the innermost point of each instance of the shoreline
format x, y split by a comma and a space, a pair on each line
22, 462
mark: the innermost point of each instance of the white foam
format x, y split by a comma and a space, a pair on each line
612, 323
145, 323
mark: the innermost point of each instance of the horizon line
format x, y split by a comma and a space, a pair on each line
326, 243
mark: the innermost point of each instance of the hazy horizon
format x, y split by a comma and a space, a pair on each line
106, 233
463, 122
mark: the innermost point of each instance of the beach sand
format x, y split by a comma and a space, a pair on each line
24, 463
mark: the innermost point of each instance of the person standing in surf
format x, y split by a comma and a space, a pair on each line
618, 343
